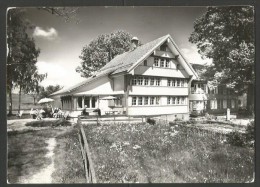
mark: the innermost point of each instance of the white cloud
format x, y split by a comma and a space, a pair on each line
58, 74
49, 34
192, 55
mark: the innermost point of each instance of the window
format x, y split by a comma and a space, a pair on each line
152, 81
118, 102
182, 83
87, 102
219, 103
157, 82
140, 81
140, 100
93, 102
177, 66
156, 62
146, 100
174, 82
162, 62
169, 100
133, 100
146, 81
163, 48
157, 100
134, 81
152, 101
213, 104
178, 82
79, 102
182, 100
167, 63
185, 83
178, 100
174, 100
169, 82
145, 63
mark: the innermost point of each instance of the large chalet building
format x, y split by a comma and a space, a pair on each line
151, 79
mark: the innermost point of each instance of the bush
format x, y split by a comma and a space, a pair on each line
151, 121
250, 132
236, 138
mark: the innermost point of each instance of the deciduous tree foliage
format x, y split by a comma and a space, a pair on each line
226, 35
45, 92
22, 56
101, 50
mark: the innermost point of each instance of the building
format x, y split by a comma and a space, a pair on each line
214, 99
151, 79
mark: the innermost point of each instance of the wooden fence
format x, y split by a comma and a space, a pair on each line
86, 156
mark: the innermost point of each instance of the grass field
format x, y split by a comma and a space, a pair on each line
165, 154
26, 102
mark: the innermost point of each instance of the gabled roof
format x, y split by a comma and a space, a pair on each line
126, 62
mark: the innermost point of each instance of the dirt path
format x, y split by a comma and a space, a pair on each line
44, 175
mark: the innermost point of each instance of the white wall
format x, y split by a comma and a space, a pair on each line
157, 110
118, 83
100, 85
158, 90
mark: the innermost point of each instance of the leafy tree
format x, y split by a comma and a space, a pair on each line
45, 92
101, 50
226, 35
22, 55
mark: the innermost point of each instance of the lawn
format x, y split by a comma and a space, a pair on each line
162, 153
27, 151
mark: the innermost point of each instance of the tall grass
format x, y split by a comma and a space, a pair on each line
162, 153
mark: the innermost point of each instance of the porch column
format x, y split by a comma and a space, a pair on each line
83, 98
90, 102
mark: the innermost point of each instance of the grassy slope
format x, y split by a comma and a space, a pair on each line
167, 154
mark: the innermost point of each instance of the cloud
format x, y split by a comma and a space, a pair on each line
49, 34
192, 55
58, 74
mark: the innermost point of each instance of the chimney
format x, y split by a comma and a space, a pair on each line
134, 43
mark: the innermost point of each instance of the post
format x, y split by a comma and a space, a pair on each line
228, 114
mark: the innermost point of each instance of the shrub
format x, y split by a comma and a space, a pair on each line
236, 138
151, 121
250, 132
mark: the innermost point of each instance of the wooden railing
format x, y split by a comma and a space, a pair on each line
86, 156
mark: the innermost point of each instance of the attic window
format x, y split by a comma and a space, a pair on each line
163, 48
145, 63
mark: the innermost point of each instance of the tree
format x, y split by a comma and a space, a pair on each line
22, 56
101, 50
226, 35
46, 92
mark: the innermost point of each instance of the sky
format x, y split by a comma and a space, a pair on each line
61, 42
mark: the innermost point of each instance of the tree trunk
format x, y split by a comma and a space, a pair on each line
10, 102
19, 106
250, 99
